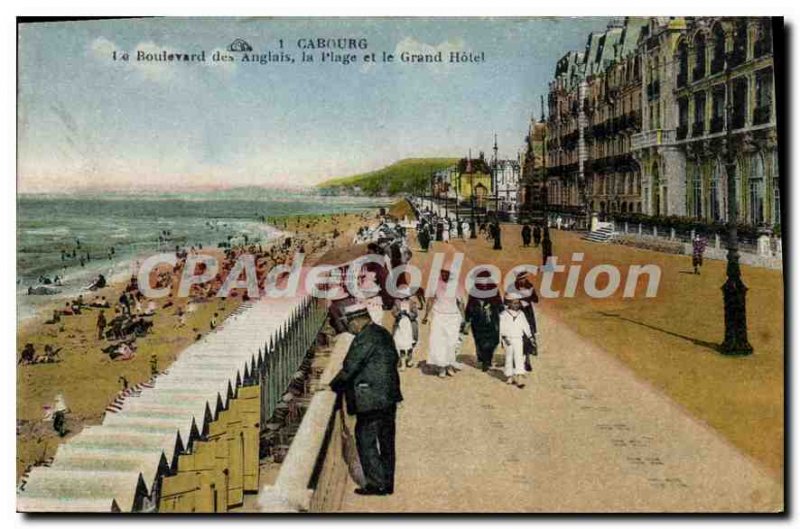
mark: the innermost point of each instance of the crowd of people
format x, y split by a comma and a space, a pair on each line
383, 346
493, 321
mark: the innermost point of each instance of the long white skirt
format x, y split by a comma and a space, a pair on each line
446, 235
404, 335
443, 339
515, 358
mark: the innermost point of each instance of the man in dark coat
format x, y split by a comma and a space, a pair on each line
424, 236
371, 386
496, 235
483, 316
537, 235
526, 235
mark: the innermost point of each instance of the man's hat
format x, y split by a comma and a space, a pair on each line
512, 296
355, 310
484, 280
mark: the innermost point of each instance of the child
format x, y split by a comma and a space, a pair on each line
406, 328
513, 330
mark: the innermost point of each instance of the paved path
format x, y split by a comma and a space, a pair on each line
585, 435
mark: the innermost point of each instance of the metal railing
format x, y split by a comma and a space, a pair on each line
652, 138
285, 351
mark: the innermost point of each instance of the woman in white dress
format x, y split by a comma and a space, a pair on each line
446, 325
446, 230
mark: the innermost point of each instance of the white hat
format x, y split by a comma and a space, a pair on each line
403, 292
525, 292
511, 296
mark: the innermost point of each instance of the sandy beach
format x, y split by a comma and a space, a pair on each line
89, 380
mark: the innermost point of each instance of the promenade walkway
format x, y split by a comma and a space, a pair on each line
585, 435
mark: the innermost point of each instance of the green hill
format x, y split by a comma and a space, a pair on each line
412, 175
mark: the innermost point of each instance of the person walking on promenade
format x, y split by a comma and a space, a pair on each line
547, 250
446, 230
529, 296
424, 236
537, 235
448, 316
526, 235
497, 234
371, 386
514, 329
406, 326
698, 249
101, 324
483, 317
465, 230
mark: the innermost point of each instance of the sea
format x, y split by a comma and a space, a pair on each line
137, 225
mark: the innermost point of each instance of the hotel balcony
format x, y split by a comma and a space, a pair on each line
652, 138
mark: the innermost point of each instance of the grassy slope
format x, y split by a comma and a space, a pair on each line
405, 176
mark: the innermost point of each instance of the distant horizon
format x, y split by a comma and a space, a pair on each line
208, 187
89, 121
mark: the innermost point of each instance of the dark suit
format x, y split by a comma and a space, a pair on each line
371, 386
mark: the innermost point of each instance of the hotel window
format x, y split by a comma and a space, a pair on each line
739, 53
718, 43
718, 109
699, 125
683, 118
763, 43
699, 57
739, 102
697, 191
714, 211
683, 65
756, 196
776, 189
763, 103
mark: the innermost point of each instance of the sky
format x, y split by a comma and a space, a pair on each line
86, 121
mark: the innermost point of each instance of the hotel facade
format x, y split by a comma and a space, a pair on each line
640, 120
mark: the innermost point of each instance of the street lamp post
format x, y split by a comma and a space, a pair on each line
446, 199
734, 291
459, 228
472, 234
547, 243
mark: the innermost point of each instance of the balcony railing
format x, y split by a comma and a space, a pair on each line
652, 138
761, 115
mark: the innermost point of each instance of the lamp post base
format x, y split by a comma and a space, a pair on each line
734, 294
